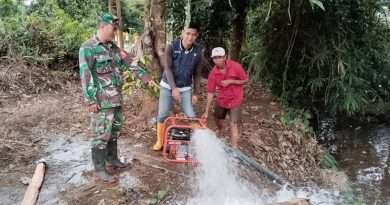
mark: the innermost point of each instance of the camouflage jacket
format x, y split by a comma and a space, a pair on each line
101, 66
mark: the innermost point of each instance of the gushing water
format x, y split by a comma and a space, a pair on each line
218, 180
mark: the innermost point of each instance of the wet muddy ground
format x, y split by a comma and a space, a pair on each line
54, 126
69, 178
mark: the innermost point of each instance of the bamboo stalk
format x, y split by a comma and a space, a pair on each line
31, 195
293, 202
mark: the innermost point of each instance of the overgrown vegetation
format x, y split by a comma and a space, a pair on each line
331, 58
44, 33
215, 26
133, 11
333, 61
213, 17
175, 17
50, 32
132, 82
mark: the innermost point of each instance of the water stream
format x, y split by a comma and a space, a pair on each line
363, 152
218, 180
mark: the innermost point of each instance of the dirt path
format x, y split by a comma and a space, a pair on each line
54, 126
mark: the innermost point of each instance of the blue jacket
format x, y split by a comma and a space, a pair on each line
183, 63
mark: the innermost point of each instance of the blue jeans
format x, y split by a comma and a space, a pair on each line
165, 103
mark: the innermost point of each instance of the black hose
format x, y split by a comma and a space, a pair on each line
258, 167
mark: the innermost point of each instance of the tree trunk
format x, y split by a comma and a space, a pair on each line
152, 43
153, 39
110, 6
120, 31
238, 32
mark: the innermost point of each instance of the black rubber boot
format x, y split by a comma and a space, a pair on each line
112, 155
99, 162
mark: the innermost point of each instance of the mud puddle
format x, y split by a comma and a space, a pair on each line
67, 160
68, 168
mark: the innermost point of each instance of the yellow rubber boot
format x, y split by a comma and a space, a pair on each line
158, 144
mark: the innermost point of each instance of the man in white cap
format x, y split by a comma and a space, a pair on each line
228, 78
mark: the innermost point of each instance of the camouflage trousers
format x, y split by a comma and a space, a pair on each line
106, 125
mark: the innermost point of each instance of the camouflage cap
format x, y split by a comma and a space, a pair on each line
109, 18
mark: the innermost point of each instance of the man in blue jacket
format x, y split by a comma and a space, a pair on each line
182, 69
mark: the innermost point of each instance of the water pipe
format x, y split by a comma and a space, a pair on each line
258, 167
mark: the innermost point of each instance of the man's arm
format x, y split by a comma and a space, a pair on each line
210, 97
168, 66
233, 82
88, 85
197, 76
210, 94
139, 72
168, 72
243, 78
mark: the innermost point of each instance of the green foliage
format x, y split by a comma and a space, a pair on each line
318, 3
45, 31
132, 82
81, 9
329, 162
121, 190
351, 199
7, 8
155, 198
215, 19
333, 60
133, 21
175, 16
297, 118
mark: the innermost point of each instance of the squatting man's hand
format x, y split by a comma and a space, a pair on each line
205, 115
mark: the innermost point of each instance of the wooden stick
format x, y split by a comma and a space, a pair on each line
377, 197
165, 169
293, 202
31, 195
17, 142
8, 146
70, 177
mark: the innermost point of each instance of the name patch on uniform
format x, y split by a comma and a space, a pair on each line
177, 51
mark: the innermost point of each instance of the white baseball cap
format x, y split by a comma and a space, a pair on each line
218, 51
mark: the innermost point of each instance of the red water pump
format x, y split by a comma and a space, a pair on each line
177, 138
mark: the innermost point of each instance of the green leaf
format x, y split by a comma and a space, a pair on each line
138, 83
307, 115
152, 200
306, 123
120, 190
143, 60
161, 194
283, 119
318, 3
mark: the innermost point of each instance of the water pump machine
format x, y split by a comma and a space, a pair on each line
178, 144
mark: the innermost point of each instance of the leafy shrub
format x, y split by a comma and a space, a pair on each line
333, 61
44, 33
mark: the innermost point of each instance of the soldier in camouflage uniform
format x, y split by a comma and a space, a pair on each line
101, 62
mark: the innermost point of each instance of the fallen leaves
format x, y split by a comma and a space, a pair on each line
285, 151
